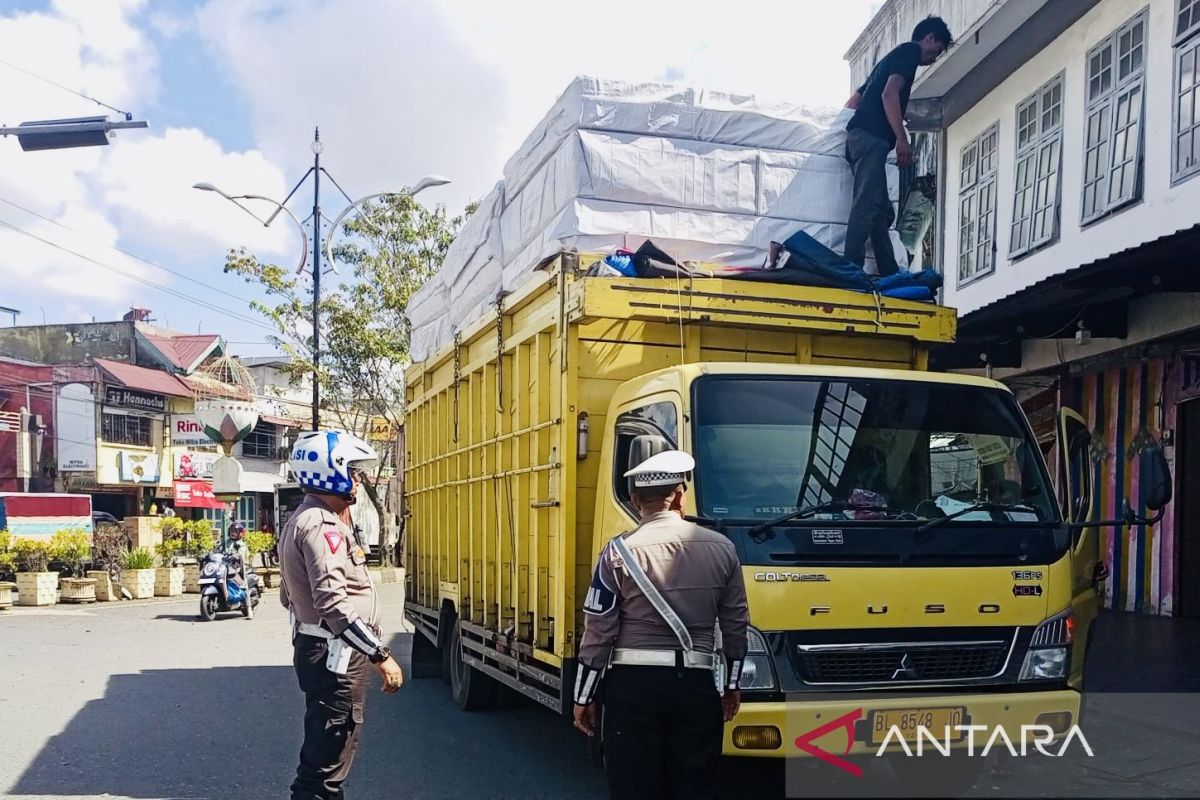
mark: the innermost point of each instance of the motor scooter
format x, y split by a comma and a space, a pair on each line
220, 587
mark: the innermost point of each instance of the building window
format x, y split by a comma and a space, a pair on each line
1038, 168
977, 206
1185, 160
126, 429
1187, 21
262, 442
1112, 160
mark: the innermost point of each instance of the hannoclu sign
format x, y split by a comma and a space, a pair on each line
131, 398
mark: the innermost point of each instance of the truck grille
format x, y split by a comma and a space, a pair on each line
949, 661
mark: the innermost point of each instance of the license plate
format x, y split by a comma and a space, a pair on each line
908, 720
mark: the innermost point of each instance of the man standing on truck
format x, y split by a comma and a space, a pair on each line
335, 613
878, 125
657, 595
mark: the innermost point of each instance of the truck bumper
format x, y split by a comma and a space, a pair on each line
849, 720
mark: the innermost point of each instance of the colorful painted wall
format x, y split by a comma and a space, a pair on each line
1127, 406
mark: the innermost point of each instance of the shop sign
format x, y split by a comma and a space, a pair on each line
191, 465
131, 398
138, 467
187, 431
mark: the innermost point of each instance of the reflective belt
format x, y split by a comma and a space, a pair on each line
690, 659
308, 629
654, 596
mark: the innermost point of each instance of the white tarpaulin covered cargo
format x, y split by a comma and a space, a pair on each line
708, 176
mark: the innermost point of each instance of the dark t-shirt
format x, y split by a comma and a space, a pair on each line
870, 116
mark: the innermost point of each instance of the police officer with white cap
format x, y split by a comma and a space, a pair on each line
335, 613
657, 595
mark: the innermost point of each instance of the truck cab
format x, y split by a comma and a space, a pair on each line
905, 558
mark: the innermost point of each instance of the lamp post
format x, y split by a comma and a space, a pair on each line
316, 171
61, 134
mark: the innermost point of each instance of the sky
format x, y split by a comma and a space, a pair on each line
232, 90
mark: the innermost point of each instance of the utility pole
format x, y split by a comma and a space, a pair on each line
316, 273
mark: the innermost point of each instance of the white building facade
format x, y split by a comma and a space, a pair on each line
1067, 222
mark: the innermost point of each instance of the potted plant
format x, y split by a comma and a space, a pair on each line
137, 573
8, 567
257, 543
168, 578
36, 585
109, 546
72, 547
200, 541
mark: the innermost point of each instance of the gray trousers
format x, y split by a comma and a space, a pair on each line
871, 213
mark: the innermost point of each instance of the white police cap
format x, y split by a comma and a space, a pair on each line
667, 468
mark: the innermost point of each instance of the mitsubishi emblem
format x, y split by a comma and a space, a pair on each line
906, 670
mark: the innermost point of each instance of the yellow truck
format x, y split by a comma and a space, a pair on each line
906, 559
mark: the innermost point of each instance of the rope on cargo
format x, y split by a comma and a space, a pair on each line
878, 309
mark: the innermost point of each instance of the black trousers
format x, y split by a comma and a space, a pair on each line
332, 719
662, 733
871, 213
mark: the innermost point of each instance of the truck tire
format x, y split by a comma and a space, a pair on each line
472, 690
426, 660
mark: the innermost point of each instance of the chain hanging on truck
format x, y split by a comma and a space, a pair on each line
500, 354
457, 378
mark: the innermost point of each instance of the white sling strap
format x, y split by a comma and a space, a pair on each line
653, 594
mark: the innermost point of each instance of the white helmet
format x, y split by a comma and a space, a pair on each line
321, 460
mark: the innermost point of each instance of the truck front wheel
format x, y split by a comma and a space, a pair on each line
472, 690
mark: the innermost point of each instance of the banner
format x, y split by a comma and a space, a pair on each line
196, 494
131, 398
139, 467
75, 428
195, 465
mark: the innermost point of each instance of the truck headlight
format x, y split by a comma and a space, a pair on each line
756, 670
1050, 648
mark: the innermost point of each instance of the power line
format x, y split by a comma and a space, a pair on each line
64, 88
128, 254
131, 276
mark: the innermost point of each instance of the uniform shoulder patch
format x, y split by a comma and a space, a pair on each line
334, 540
600, 599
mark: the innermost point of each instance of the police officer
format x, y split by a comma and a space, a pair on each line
334, 610
656, 597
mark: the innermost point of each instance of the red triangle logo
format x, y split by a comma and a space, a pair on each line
334, 539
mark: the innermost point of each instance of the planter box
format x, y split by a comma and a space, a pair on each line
104, 586
168, 582
37, 588
77, 590
270, 577
6, 600
191, 579
139, 582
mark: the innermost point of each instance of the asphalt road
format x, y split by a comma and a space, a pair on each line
142, 700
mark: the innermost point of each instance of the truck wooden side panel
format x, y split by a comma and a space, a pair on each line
501, 501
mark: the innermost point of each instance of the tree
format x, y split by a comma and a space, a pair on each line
393, 247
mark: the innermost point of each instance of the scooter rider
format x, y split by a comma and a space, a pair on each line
335, 613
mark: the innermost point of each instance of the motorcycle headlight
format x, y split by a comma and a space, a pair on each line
1050, 649
757, 672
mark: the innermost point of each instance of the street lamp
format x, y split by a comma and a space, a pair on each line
60, 134
266, 223
423, 184
316, 170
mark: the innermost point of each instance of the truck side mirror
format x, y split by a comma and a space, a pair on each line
1154, 478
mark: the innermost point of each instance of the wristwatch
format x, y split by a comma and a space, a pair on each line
381, 655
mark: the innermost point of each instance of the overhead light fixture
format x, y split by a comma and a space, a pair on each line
1082, 334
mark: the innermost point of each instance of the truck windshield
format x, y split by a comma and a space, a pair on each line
889, 450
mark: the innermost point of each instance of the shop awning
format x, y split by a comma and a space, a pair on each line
260, 480
196, 494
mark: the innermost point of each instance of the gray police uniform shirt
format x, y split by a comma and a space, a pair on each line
698, 573
324, 571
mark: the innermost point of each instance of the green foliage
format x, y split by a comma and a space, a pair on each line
32, 555
73, 547
173, 528
259, 542
167, 549
8, 558
140, 558
200, 538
